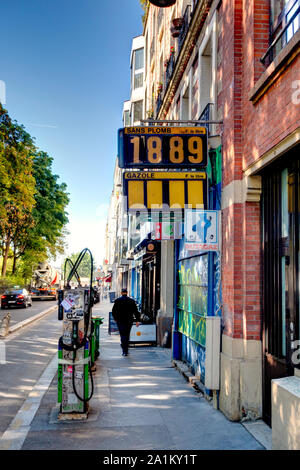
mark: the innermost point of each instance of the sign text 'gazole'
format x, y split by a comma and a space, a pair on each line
162, 147
156, 190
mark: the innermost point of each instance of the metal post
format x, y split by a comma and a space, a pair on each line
191, 122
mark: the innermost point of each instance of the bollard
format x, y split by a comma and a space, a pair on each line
97, 321
4, 326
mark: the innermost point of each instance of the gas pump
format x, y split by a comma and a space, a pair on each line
75, 380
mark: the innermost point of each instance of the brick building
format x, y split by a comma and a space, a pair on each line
236, 63
260, 200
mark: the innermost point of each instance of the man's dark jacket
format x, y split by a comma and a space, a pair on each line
125, 310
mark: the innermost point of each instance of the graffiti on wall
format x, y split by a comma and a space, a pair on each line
192, 298
194, 354
217, 286
192, 326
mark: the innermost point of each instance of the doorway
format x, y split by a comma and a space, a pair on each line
280, 243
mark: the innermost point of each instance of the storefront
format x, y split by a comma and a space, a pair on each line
145, 289
135, 283
281, 258
151, 285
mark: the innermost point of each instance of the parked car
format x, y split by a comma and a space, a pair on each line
16, 298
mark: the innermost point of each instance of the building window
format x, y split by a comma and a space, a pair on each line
285, 22
127, 118
138, 68
138, 111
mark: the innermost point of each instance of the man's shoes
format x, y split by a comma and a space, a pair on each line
124, 354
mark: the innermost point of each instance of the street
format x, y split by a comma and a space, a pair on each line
18, 314
28, 353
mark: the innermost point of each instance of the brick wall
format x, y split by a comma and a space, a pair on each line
274, 116
249, 131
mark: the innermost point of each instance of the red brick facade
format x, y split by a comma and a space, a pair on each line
249, 131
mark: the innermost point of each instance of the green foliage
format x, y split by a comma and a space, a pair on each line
49, 213
32, 202
17, 184
12, 281
84, 269
145, 5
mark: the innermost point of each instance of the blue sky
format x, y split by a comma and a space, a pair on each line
65, 64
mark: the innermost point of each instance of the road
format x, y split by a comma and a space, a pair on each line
18, 314
28, 352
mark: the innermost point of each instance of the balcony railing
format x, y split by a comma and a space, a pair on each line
206, 115
185, 27
171, 63
159, 101
287, 27
170, 68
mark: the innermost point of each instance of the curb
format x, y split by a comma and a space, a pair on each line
192, 379
26, 322
14, 436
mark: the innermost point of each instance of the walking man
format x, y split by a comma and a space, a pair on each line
124, 311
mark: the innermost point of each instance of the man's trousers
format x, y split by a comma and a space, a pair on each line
124, 330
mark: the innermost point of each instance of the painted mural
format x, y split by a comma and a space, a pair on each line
217, 286
192, 298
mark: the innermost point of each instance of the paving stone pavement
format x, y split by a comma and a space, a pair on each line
140, 403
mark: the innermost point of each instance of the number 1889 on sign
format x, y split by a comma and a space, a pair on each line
162, 147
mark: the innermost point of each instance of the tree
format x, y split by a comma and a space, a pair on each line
44, 238
84, 269
145, 6
17, 184
51, 200
32, 202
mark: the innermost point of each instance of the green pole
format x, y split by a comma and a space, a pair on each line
86, 370
59, 377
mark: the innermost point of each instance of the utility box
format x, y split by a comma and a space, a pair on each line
212, 358
286, 413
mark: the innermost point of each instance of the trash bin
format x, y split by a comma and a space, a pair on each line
112, 296
95, 340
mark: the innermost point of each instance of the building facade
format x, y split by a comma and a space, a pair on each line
238, 62
235, 65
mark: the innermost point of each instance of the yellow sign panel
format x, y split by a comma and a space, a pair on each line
136, 194
156, 190
177, 194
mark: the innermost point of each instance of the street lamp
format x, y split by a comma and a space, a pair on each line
163, 3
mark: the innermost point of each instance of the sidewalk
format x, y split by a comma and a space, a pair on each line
140, 403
